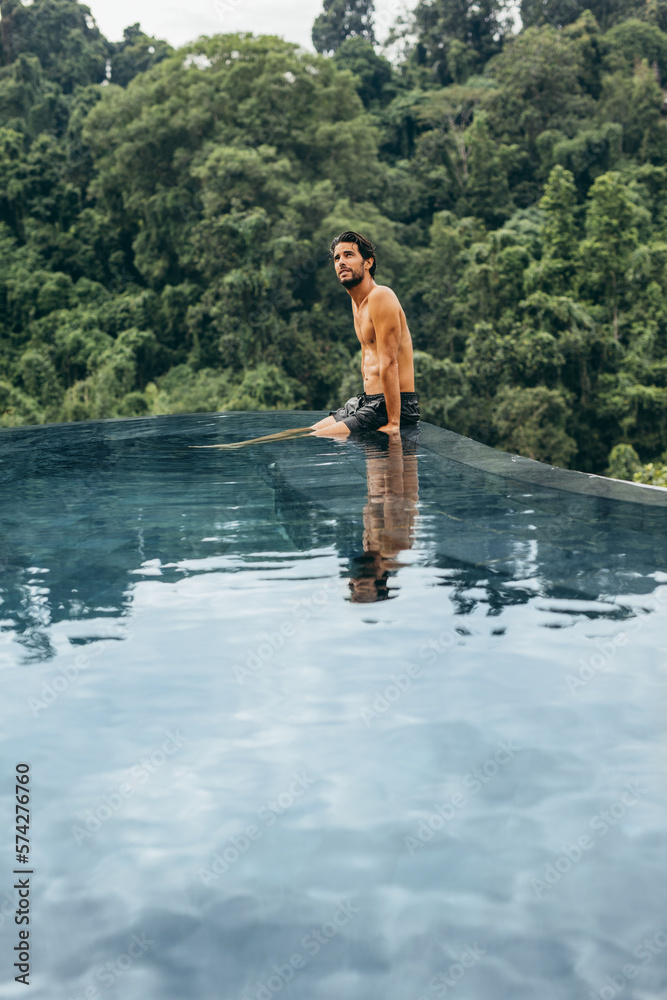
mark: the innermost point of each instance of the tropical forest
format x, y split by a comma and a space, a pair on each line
166, 216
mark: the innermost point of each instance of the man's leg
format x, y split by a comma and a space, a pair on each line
326, 422
335, 418
336, 429
371, 415
293, 432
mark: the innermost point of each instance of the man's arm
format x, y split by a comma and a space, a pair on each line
384, 311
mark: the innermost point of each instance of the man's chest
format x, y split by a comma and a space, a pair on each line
364, 328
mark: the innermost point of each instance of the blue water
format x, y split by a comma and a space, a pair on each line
327, 720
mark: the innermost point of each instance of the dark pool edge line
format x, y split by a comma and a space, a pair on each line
467, 451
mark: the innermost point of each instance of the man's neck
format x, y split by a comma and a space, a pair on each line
362, 290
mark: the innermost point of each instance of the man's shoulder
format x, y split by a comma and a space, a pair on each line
382, 295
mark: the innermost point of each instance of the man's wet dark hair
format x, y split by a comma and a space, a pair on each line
366, 248
369, 582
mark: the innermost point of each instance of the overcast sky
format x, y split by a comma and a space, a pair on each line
180, 23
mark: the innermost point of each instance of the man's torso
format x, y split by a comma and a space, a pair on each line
365, 330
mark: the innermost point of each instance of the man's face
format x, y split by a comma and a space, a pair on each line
349, 264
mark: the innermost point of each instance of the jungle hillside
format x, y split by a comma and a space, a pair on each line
165, 218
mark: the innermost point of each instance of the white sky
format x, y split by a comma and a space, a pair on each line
180, 23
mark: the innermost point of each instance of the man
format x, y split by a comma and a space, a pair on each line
389, 517
389, 399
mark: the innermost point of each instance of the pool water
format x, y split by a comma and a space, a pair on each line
327, 720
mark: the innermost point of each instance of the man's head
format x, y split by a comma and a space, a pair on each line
369, 579
354, 257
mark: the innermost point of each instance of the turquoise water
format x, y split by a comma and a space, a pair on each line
328, 720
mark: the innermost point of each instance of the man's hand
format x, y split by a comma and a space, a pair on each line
390, 429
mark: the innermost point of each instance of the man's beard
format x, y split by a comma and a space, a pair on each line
353, 279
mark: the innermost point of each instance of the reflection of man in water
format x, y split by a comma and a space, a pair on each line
389, 518
389, 400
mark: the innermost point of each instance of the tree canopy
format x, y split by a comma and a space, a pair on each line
340, 20
165, 217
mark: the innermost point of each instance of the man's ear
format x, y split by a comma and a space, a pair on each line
370, 261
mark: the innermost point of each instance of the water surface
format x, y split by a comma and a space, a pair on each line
323, 720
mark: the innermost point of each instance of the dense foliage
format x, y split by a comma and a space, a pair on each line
340, 20
165, 218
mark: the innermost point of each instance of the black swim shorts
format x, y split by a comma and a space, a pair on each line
367, 413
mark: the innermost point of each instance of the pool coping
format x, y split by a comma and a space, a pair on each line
502, 463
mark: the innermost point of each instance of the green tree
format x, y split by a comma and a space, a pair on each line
16, 407
457, 37
30, 103
614, 221
624, 462
342, 19
135, 54
532, 422
450, 157
589, 153
373, 73
164, 237
443, 389
563, 12
40, 380
486, 190
62, 34
542, 76
636, 104
555, 270
633, 40
559, 231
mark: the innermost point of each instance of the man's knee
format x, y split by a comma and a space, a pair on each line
335, 429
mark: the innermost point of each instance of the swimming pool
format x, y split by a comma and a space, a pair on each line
330, 720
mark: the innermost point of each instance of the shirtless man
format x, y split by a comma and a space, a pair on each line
389, 398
